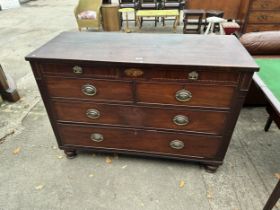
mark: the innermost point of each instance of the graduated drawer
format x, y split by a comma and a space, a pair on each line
262, 27
202, 121
89, 89
264, 17
265, 5
155, 142
77, 70
185, 94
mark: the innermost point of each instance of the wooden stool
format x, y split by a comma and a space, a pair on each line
213, 13
212, 21
195, 14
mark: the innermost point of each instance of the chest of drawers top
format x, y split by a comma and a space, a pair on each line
147, 49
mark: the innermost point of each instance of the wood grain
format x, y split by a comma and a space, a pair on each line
160, 49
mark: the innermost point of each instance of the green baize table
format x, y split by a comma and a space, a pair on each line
268, 79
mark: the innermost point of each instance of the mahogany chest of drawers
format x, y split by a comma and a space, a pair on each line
263, 15
171, 96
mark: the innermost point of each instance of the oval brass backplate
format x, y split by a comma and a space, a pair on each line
133, 72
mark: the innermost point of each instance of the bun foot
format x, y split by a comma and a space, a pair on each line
211, 168
70, 154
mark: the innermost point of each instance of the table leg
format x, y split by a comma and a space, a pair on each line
268, 123
274, 197
8, 88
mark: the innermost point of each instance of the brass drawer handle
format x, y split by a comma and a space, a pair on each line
133, 72
177, 144
183, 95
181, 120
93, 113
97, 137
193, 75
77, 70
89, 90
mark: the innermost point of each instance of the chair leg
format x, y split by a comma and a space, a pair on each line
121, 19
268, 123
135, 18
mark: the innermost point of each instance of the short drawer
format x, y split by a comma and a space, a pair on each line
265, 5
197, 95
262, 27
155, 142
264, 17
202, 121
76, 70
89, 89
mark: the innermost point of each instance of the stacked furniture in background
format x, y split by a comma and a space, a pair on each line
252, 15
152, 5
134, 4
263, 15
149, 5
190, 15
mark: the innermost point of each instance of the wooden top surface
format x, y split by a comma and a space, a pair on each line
161, 49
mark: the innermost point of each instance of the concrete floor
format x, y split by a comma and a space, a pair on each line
34, 174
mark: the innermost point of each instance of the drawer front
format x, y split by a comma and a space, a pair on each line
89, 89
156, 142
262, 27
155, 73
74, 70
134, 116
158, 73
265, 5
264, 17
196, 95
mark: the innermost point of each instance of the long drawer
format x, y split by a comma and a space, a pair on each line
156, 142
210, 122
264, 17
265, 5
262, 27
89, 89
185, 94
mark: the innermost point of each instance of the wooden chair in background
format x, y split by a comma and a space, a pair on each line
88, 5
